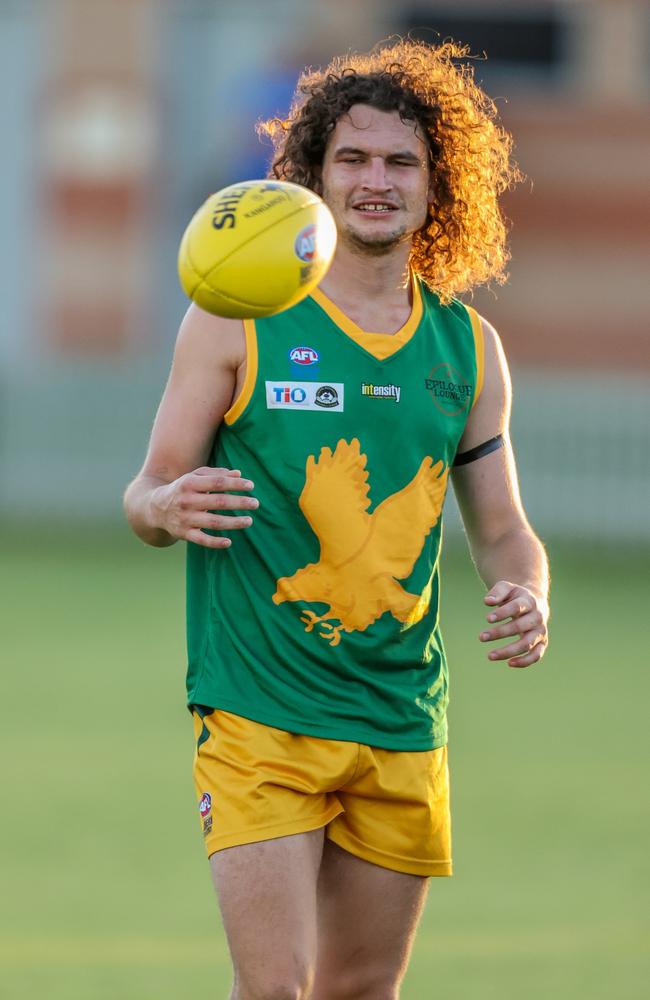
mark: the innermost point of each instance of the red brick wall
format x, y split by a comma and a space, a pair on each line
580, 271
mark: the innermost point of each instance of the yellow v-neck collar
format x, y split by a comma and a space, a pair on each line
380, 345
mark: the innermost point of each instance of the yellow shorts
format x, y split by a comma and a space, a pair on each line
254, 782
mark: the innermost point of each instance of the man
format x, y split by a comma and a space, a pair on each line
316, 674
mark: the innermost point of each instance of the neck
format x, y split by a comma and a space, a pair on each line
354, 275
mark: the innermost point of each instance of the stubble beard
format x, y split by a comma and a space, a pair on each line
374, 246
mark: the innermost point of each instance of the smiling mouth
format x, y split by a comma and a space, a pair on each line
374, 208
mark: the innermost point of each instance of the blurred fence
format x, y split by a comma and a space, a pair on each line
583, 449
74, 436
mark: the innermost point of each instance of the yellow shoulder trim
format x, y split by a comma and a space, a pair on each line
380, 345
479, 348
250, 378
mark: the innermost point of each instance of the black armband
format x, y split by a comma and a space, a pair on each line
479, 451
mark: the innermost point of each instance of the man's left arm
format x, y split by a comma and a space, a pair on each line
508, 555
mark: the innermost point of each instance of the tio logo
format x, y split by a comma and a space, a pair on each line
305, 245
304, 356
284, 394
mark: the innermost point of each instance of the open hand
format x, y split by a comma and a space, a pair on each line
518, 611
184, 508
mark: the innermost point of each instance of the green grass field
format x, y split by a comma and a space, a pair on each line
105, 888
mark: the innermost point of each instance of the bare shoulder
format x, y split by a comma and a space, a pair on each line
208, 360
209, 341
490, 414
496, 377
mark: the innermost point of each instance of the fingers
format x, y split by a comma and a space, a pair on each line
215, 480
215, 522
210, 470
517, 625
220, 522
499, 592
193, 505
533, 657
218, 501
199, 537
521, 613
522, 648
512, 601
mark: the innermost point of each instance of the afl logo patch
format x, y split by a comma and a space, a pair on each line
304, 356
305, 245
205, 804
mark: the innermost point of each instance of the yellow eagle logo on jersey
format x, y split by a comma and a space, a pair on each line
362, 555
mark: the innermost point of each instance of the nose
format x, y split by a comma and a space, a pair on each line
376, 176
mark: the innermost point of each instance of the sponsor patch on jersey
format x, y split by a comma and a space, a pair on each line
205, 805
449, 389
304, 356
304, 396
381, 391
326, 396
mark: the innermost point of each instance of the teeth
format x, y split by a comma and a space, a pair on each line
374, 208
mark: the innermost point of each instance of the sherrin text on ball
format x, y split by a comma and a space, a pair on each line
256, 248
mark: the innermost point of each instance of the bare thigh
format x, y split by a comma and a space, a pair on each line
367, 918
267, 897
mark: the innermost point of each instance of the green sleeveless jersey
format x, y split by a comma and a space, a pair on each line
322, 617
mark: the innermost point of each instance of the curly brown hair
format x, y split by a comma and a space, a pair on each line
463, 241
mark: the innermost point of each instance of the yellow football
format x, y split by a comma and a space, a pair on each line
256, 248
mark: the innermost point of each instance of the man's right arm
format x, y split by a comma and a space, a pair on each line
174, 493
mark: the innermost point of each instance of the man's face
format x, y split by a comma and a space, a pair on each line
375, 179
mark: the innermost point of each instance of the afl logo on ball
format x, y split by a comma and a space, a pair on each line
304, 356
305, 245
205, 804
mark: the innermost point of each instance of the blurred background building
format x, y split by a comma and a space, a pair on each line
120, 116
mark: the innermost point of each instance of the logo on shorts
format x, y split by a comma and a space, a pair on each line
205, 806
